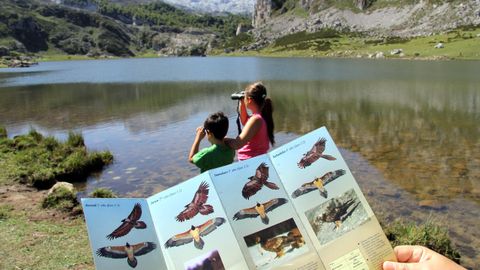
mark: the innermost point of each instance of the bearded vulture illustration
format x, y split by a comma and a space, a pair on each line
257, 181
314, 154
195, 234
132, 221
260, 210
318, 184
128, 251
197, 205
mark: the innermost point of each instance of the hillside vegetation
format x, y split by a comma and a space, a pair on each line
431, 29
321, 28
100, 28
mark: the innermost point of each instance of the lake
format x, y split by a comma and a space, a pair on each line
409, 130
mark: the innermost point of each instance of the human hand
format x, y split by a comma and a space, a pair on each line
419, 258
200, 133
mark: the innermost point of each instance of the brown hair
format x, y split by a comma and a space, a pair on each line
258, 93
217, 124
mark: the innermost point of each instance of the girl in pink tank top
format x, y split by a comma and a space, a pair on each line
257, 132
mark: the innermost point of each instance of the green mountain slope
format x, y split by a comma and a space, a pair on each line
100, 28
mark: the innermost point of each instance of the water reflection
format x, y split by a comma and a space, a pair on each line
423, 136
420, 135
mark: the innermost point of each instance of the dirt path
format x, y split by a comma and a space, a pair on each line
28, 199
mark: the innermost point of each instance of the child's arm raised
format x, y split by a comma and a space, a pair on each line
198, 137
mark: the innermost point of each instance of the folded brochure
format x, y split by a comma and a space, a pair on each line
297, 207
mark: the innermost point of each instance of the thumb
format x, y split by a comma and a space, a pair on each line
401, 266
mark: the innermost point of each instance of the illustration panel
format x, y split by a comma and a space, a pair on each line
252, 195
337, 216
122, 234
190, 220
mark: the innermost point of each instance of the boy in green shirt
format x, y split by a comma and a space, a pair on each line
215, 128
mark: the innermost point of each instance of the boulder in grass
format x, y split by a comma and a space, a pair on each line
58, 185
439, 46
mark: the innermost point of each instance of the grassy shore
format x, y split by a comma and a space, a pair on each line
41, 231
459, 44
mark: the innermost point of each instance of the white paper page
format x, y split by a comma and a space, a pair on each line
109, 235
172, 219
240, 187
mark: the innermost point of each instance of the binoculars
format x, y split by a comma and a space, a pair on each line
238, 95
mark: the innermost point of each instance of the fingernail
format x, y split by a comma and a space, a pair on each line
388, 266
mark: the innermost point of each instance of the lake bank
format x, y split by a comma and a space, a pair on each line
460, 44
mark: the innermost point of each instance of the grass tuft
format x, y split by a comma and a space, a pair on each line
102, 193
41, 161
5, 211
428, 234
75, 139
3, 132
61, 198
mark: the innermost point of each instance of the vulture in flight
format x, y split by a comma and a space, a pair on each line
195, 234
128, 251
260, 210
197, 205
314, 154
318, 184
128, 223
257, 181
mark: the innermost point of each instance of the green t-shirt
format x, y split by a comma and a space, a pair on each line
213, 157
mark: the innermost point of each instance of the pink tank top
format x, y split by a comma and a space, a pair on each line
258, 145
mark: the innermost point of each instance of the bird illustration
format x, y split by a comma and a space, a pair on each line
318, 183
197, 205
132, 221
260, 210
338, 212
195, 234
128, 251
257, 182
314, 154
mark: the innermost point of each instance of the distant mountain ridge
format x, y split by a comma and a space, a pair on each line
216, 6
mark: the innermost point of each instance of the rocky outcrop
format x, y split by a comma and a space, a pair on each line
262, 12
419, 19
191, 42
28, 31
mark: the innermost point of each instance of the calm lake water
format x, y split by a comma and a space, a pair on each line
409, 130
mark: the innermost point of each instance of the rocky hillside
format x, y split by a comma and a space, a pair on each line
99, 28
216, 6
379, 18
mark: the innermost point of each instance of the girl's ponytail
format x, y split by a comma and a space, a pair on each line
267, 114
